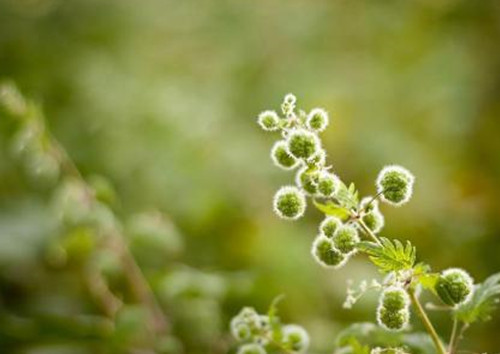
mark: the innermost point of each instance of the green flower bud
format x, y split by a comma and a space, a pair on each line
251, 348
317, 160
374, 220
307, 180
345, 239
392, 320
395, 184
326, 254
317, 120
454, 286
303, 144
240, 330
289, 203
395, 299
295, 338
281, 157
328, 184
269, 120
329, 225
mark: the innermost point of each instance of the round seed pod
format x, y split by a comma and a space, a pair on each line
295, 338
240, 330
326, 254
393, 320
307, 180
454, 286
289, 203
345, 239
329, 225
374, 220
269, 120
328, 184
281, 157
395, 299
317, 120
395, 184
303, 144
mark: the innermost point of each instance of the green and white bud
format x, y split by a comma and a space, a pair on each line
307, 180
251, 348
328, 184
393, 320
281, 157
393, 310
317, 120
454, 286
303, 144
395, 184
317, 160
329, 226
374, 220
240, 330
325, 253
345, 239
395, 298
295, 338
269, 120
289, 203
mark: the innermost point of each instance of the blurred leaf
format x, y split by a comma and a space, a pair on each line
483, 302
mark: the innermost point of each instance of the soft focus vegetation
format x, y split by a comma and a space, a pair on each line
156, 104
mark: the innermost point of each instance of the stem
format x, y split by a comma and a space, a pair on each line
427, 323
369, 232
454, 337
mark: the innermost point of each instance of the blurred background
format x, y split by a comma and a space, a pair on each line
156, 103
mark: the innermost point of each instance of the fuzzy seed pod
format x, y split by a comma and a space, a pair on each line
393, 320
326, 254
454, 286
281, 157
289, 203
345, 239
269, 120
240, 330
307, 180
395, 184
374, 220
303, 144
296, 338
395, 299
317, 160
251, 348
329, 225
317, 120
328, 184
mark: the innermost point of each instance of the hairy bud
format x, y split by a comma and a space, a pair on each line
393, 320
240, 330
325, 253
393, 310
289, 203
295, 338
345, 239
281, 157
303, 144
454, 286
251, 348
269, 120
328, 184
395, 184
317, 120
329, 226
307, 180
395, 299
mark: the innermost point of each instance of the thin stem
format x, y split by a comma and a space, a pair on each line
427, 323
367, 231
454, 337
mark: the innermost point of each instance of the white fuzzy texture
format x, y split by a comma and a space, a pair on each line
321, 160
468, 280
319, 239
298, 131
298, 182
364, 202
283, 144
334, 178
400, 169
285, 190
406, 297
327, 220
273, 115
405, 313
299, 331
323, 114
251, 348
290, 98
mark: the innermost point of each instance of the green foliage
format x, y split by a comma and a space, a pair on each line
332, 209
347, 197
483, 302
390, 256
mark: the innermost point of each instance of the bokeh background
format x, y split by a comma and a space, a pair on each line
159, 98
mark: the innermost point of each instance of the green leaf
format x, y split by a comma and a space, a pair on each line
348, 198
390, 255
332, 209
483, 302
274, 320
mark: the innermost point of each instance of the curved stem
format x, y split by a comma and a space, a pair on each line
454, 337
427, 323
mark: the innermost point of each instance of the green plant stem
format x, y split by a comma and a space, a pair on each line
427, 323
367, 231
454, 337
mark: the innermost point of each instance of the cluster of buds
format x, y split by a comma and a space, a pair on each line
300, 149
258, 332
454, 286
393, 310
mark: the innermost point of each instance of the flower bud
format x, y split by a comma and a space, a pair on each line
395, 299
329, 225
317, 120
269, 120
393, 320
393, 309
289, 203
303, 144
251, 348
395, 184
281, 157
345, 239
326, 254
240, 330
374, 220
454, 286
307, 180
317, 160
295, 338
328, 184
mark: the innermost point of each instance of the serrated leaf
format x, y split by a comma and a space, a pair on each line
483, 302
274, 320
347, 198
332, 209
390, 255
